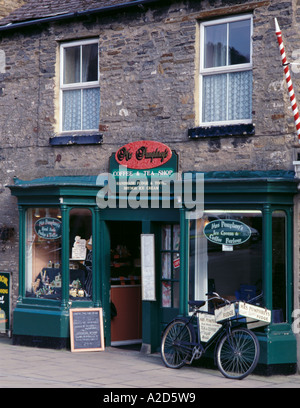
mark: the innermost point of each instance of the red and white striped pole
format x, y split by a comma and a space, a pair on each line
288, 79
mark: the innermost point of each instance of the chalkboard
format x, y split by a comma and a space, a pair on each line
86, 329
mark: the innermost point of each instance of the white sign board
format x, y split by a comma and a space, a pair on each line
148, 267
255, 312
208, 326
225, 312
79, 249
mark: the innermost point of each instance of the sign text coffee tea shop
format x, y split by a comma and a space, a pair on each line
80, 247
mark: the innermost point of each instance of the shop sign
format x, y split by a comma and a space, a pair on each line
225, 312
48, 228
4, 302
227, 232
143, 166
143, 154
208, 326
254, 312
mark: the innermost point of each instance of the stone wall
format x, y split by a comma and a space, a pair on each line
149, 69
7, 6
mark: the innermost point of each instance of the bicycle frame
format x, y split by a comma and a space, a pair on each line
199, 347
236, 348
204, 346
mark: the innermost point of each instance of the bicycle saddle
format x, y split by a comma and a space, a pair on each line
197, 303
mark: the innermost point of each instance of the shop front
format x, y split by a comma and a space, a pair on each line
75, 253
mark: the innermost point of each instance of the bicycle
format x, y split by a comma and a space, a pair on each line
237, 348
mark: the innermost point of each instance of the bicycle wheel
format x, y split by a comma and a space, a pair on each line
176, 349
238, 353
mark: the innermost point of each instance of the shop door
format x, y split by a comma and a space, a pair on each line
125, 281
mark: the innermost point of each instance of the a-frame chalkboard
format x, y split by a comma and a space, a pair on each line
86, 329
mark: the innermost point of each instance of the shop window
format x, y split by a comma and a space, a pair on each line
226, 71
81, 259
43, 253
79, 85
279, 266
170, 265
226, 255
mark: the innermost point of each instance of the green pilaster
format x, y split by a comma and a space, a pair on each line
65, 257
184, 263
22, 252
150, 327
104, 277
267, 255
289, 264
96, 258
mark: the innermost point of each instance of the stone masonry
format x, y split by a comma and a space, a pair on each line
7, 6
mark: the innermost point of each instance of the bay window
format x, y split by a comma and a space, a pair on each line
226, 254
43, 277
44, 274
226, 71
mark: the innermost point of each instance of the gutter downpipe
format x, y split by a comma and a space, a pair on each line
67, 16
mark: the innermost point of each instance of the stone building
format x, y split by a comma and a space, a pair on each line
7, 6
77, 82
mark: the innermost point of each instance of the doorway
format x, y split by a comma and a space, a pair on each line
125, 281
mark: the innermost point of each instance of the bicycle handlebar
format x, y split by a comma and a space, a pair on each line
217, 296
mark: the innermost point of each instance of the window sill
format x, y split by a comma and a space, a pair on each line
69, 140
218, 131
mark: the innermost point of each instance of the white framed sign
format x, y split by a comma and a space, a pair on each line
225, 312
148, 267
255, 312
208, 326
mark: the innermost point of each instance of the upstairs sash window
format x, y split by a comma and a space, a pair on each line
226, 71
79, 84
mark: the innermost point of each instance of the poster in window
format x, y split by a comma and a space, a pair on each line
148, 267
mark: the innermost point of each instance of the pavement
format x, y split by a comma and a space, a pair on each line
114, 368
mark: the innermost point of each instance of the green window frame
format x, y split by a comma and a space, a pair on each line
170, 265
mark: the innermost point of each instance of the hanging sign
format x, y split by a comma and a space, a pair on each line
227, 232
5, 302
48, 228
144, 154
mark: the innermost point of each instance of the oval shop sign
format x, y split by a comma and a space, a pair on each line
48, 228
144, 154
227, 232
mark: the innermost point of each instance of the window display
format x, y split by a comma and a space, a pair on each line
226, 254
44, 275
81, 270
43, 253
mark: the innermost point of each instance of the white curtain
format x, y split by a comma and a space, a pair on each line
84, 102
227, 96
